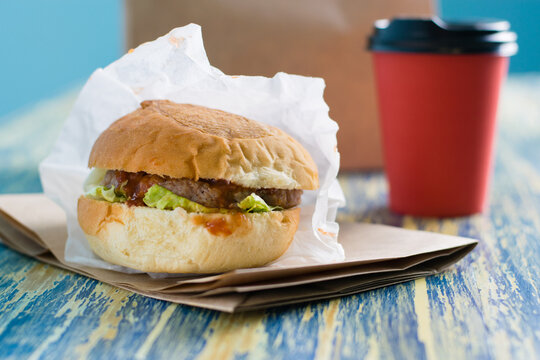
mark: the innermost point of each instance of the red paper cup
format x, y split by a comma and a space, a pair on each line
437, 113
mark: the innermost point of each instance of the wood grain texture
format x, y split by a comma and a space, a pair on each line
486, 307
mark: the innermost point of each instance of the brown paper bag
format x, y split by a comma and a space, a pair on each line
376, 256
323, 38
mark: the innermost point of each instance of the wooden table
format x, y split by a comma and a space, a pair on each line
487, 306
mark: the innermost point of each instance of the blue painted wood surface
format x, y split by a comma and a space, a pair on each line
485, 307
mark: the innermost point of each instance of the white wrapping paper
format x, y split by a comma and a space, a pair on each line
175, 67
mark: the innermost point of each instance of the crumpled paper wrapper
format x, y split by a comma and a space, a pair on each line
175, 67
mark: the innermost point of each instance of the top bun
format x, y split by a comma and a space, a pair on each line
189, 141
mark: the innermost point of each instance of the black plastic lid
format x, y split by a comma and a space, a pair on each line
434, 35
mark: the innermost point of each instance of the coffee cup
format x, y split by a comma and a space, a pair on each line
438, 86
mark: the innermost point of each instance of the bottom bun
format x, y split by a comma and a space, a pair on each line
175, 241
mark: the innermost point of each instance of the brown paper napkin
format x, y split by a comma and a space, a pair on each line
376, 256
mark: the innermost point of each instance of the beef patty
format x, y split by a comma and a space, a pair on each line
208, 192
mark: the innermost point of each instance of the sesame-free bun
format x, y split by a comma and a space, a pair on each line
175, 241
189, 141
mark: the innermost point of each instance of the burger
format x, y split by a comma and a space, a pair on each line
180, 188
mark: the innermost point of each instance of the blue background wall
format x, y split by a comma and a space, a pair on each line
524, 16
50, 46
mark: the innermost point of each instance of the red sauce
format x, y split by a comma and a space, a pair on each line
220, 225
134, 185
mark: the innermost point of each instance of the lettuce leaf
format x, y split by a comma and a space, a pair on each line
163, 199
255, 204
94, 179
101, 192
